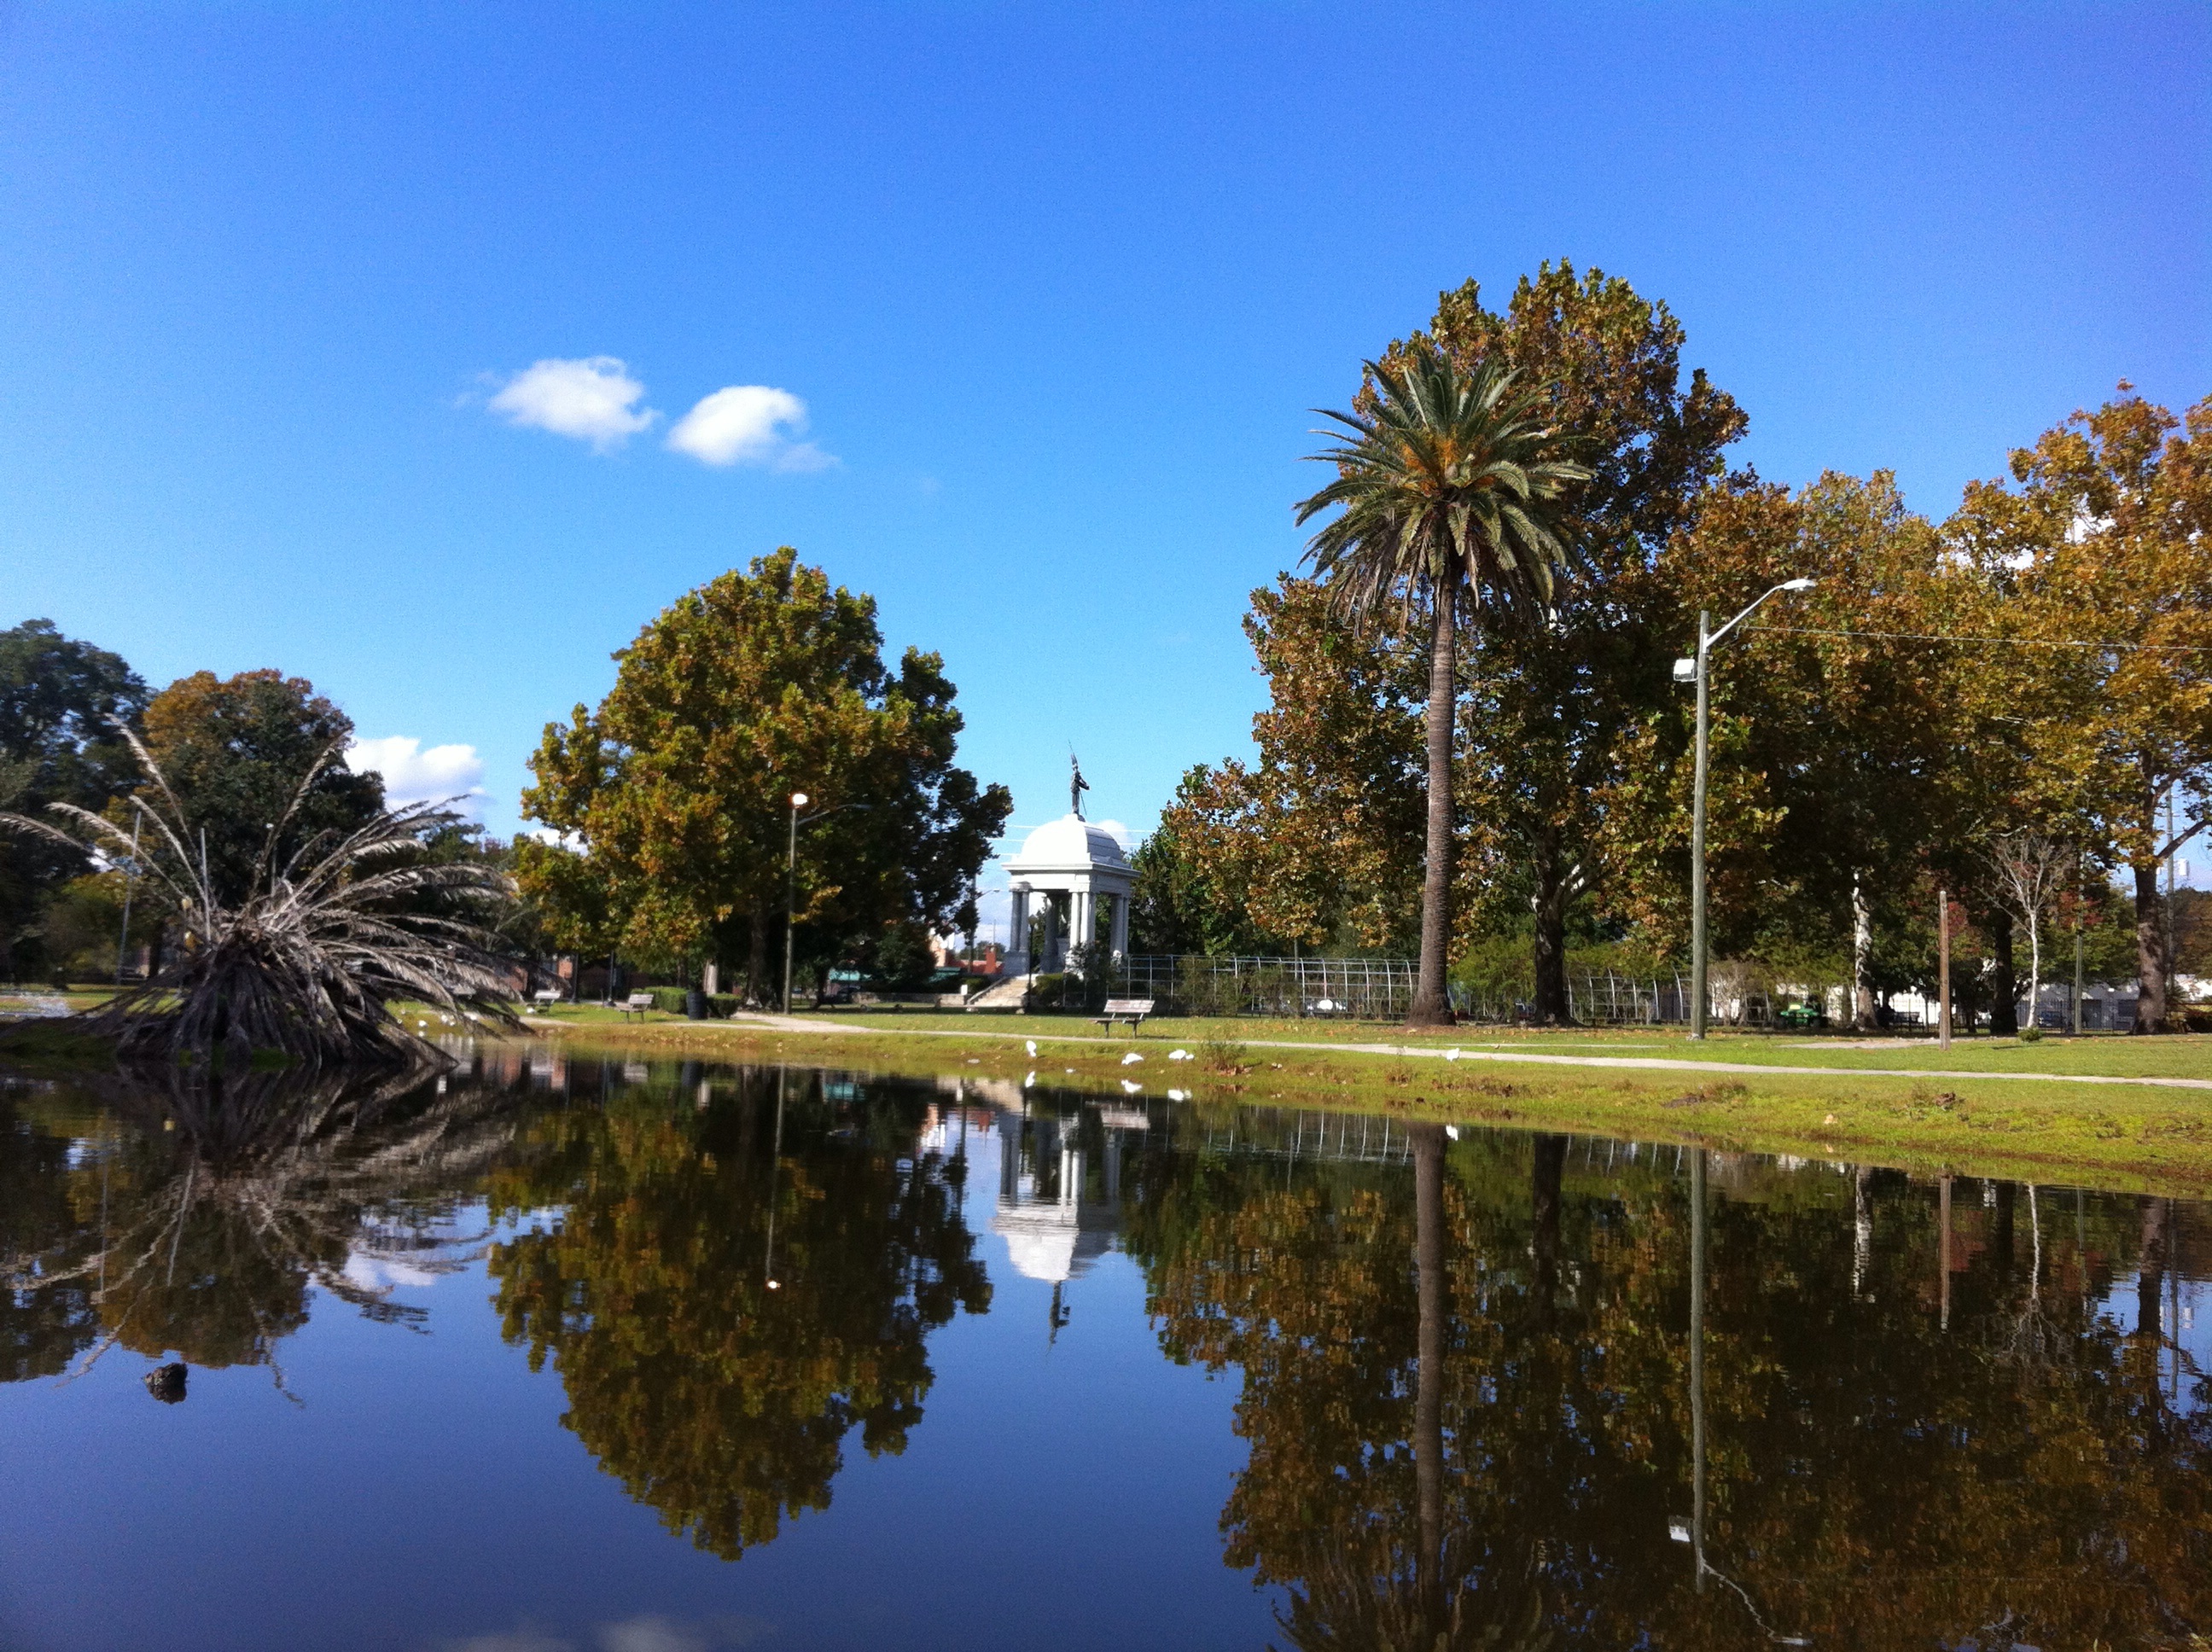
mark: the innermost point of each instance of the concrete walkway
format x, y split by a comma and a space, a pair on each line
792, 1024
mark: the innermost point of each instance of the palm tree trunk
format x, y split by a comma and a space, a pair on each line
1429, 1383
1431, 1008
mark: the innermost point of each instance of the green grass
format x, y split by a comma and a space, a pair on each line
2119, 1136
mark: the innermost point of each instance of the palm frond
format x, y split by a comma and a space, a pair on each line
1455, 480
326, 937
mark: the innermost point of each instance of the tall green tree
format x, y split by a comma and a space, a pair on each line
676, 789
60, 699
1447, 494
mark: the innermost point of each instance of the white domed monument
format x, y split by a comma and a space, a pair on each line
1069, 885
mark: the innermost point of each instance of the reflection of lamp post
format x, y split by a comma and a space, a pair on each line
1695, 670
1694, 1533
774, 1172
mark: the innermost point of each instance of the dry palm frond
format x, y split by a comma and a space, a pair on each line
324, 938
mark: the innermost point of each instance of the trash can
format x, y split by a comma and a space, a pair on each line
695, 1004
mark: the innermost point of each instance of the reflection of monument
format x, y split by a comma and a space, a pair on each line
1059, 1201
1070, 885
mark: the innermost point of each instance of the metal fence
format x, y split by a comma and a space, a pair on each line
1381, 989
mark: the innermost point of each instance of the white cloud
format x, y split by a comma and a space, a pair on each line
749, 424
1120, 833
593, 399
414, 775
522, 1640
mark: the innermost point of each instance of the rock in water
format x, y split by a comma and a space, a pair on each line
167, 1382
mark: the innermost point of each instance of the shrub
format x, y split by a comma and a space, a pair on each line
1048, 992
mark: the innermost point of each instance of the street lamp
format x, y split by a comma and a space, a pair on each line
798, 801
1695, 670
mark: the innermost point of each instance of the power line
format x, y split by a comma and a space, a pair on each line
2017, 642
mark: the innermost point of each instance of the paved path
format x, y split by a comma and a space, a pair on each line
1639, 1063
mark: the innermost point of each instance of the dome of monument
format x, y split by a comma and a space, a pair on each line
1069, 843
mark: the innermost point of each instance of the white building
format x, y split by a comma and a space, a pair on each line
1068, 886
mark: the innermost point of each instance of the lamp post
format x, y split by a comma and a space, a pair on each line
1696, 669
791, 893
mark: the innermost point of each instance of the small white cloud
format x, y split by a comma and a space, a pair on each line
749, 424
593, 399
414, 775
522, 1640
1116, 830
650, 1634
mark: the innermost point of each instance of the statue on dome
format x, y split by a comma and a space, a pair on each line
1076, 786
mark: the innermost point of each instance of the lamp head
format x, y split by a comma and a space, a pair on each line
1799, 585
799, 799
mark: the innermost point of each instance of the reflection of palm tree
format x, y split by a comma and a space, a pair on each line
237, 1194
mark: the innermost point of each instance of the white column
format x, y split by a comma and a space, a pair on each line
1120, 924
1017, 907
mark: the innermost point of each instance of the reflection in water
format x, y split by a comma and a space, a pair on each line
1468, 1411
1496, 1390
195, 1219
742, 1271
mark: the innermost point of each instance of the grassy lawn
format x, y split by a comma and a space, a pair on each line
2109, 1055
2121, 1137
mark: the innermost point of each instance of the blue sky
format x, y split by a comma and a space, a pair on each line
1055, 288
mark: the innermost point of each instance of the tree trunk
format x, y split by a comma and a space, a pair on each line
2150, 951
1862, 1015
2004, 984
1554, 889
1429, 1389
1431, 1007
757, 960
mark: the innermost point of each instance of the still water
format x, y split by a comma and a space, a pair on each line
560, 1356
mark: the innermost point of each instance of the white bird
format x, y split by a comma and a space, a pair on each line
1032, 1050
1451, 1056
1131, 1058
1452, 1130
1030, 1081
1178, 1055
1128, 1088
1178, 1095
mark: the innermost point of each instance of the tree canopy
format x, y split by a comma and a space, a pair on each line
676, 791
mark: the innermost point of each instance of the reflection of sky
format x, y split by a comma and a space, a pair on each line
2185, 1318
423, 1494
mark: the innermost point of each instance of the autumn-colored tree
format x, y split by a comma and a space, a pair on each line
1447, 488
1319, 841
1311, 832
234, 751
678, 788
2101, 547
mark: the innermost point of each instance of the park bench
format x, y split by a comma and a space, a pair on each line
635, 1004
546, 995
1130, 1010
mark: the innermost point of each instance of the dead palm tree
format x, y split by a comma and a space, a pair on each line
326, 937
1450, 491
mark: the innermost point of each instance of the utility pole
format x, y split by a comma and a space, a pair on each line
1943, 969
2077, 943
2165, 963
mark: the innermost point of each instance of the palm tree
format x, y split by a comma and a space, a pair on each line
330, 931
1449, 489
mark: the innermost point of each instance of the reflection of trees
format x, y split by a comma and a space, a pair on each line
195, 1218
717, 1397
1871, 1480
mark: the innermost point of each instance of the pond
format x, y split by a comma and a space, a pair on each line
566, 1355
